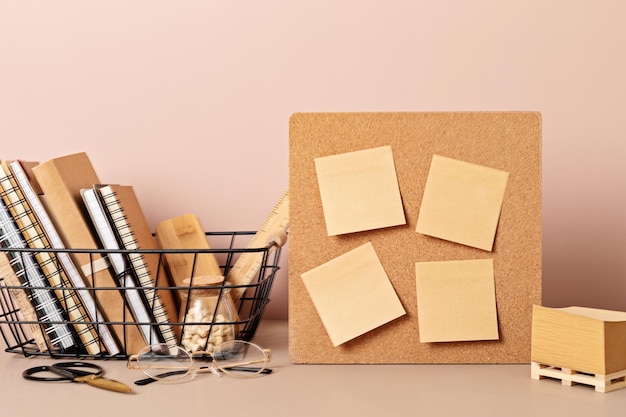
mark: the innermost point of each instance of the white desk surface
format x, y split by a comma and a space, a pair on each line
310, 390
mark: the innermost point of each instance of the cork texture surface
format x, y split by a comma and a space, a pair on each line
507, 141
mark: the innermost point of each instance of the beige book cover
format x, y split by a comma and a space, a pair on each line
61, 180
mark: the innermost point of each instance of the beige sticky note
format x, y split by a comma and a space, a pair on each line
462, 202
352, 294
359, 191
456, 301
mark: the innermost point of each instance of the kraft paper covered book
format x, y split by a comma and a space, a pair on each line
61, 180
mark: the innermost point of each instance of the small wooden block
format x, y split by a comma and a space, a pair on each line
186, 232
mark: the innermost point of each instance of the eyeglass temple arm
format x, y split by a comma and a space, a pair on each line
150, 380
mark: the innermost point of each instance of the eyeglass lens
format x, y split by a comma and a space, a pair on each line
163, 361
240, 358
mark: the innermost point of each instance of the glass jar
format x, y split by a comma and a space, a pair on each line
207, 312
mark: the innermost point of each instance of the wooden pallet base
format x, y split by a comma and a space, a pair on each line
569, 377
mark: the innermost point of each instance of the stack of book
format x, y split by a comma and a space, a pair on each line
58, 217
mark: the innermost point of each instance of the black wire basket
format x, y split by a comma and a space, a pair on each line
18, 329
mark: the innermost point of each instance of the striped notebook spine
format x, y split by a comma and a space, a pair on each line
68, 265
28, 274
127, 240
35, 238
109, 242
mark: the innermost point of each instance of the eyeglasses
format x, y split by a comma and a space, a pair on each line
163, 362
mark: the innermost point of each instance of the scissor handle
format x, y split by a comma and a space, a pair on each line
66, 370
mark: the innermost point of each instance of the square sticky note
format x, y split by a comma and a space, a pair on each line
352, 294
462, 202
456, 301
359, 191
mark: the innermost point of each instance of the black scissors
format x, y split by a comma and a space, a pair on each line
85, 372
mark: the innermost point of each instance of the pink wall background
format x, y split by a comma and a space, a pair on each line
189, 101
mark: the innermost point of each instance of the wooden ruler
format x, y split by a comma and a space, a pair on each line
273, 232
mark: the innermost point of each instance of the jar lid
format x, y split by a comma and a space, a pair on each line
204, 280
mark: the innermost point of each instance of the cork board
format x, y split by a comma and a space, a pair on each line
506, 141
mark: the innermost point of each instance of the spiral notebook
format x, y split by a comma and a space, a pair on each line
109, 241
43, 301
133, 233
68, 265
34, 235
